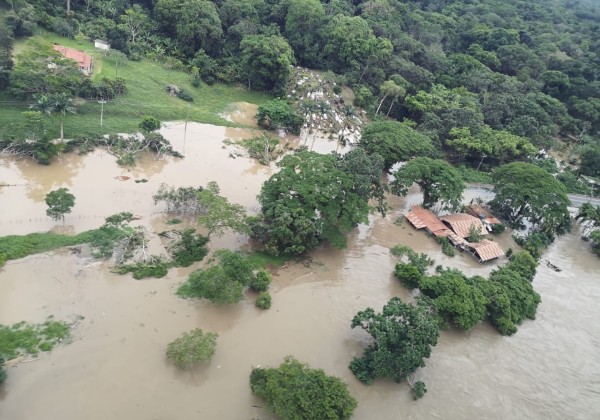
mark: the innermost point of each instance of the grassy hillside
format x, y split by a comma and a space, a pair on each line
146, 95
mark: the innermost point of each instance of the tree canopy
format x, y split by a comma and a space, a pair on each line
527, 193
296, 391
59, 202
404, 335
395, 141
316, 197
439, 182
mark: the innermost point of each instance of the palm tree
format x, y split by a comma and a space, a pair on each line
55, 103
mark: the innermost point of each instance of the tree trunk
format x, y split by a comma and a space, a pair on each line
380, 103
390, 110
62, 128
68, 7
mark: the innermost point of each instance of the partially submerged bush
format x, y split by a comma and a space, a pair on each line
296, 391
192, 348
263, 301
261, 281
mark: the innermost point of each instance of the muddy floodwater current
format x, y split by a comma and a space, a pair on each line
115, 368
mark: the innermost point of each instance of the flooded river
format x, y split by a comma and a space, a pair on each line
115, 366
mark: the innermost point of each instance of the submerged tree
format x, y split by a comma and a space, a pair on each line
59, 103
218, 214
404, 335
439, 181
60, 202
296, 391
192, 348
526, 192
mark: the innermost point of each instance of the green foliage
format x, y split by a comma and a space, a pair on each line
524, 264
261, 282
264, 148
525, 192
266, 61
418, 390
192, 348
458, 300
395, 141
404, 335
277, 113
296, 391
408, 274
419, 260
472, 175
189, 248
154, 267
29, 339
475, 234
182, 200
263, 301
185, 95
222, 282
218, 214
59, 203
498, 228
447, 248
439, 182
3, 373
312, 198
149, 123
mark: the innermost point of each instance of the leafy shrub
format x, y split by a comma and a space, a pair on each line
277, 113
408, 274
186, 96
261, 281
189, 248
221, 283
497, 229
192, 348
263, 301
447, 248
421, 260
296, 391
29, 339
418, 390
155, 267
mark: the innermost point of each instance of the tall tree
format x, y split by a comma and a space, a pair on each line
59, 103
312, 198
136, 21
392, 90
304, 25
526, 192
395, 141
439, 182
266, 61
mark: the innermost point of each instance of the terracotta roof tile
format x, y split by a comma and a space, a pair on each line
486, 250
82, 58
461, 223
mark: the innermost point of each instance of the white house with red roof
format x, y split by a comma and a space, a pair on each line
84, 61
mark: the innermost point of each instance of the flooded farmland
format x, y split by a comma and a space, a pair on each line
115, 365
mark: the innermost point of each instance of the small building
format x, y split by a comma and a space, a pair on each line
84, 61
422, 218
484, 215
101, 45
462, 223
485, 250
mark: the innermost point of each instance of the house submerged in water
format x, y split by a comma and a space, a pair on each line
457, 228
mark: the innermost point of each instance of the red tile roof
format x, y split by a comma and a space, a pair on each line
82, 58
486, 250
422, 218
461, 223
483, 214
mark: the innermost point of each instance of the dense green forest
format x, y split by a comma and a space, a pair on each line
477, 77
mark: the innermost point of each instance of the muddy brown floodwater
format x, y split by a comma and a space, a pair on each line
115, 366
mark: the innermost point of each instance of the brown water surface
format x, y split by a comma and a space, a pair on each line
115, 366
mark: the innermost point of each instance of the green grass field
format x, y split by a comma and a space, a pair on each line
146, 95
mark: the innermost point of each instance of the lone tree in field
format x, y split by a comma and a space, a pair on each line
60, 202
192, 348
296, 391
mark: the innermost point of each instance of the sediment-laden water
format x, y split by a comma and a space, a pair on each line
115, 366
